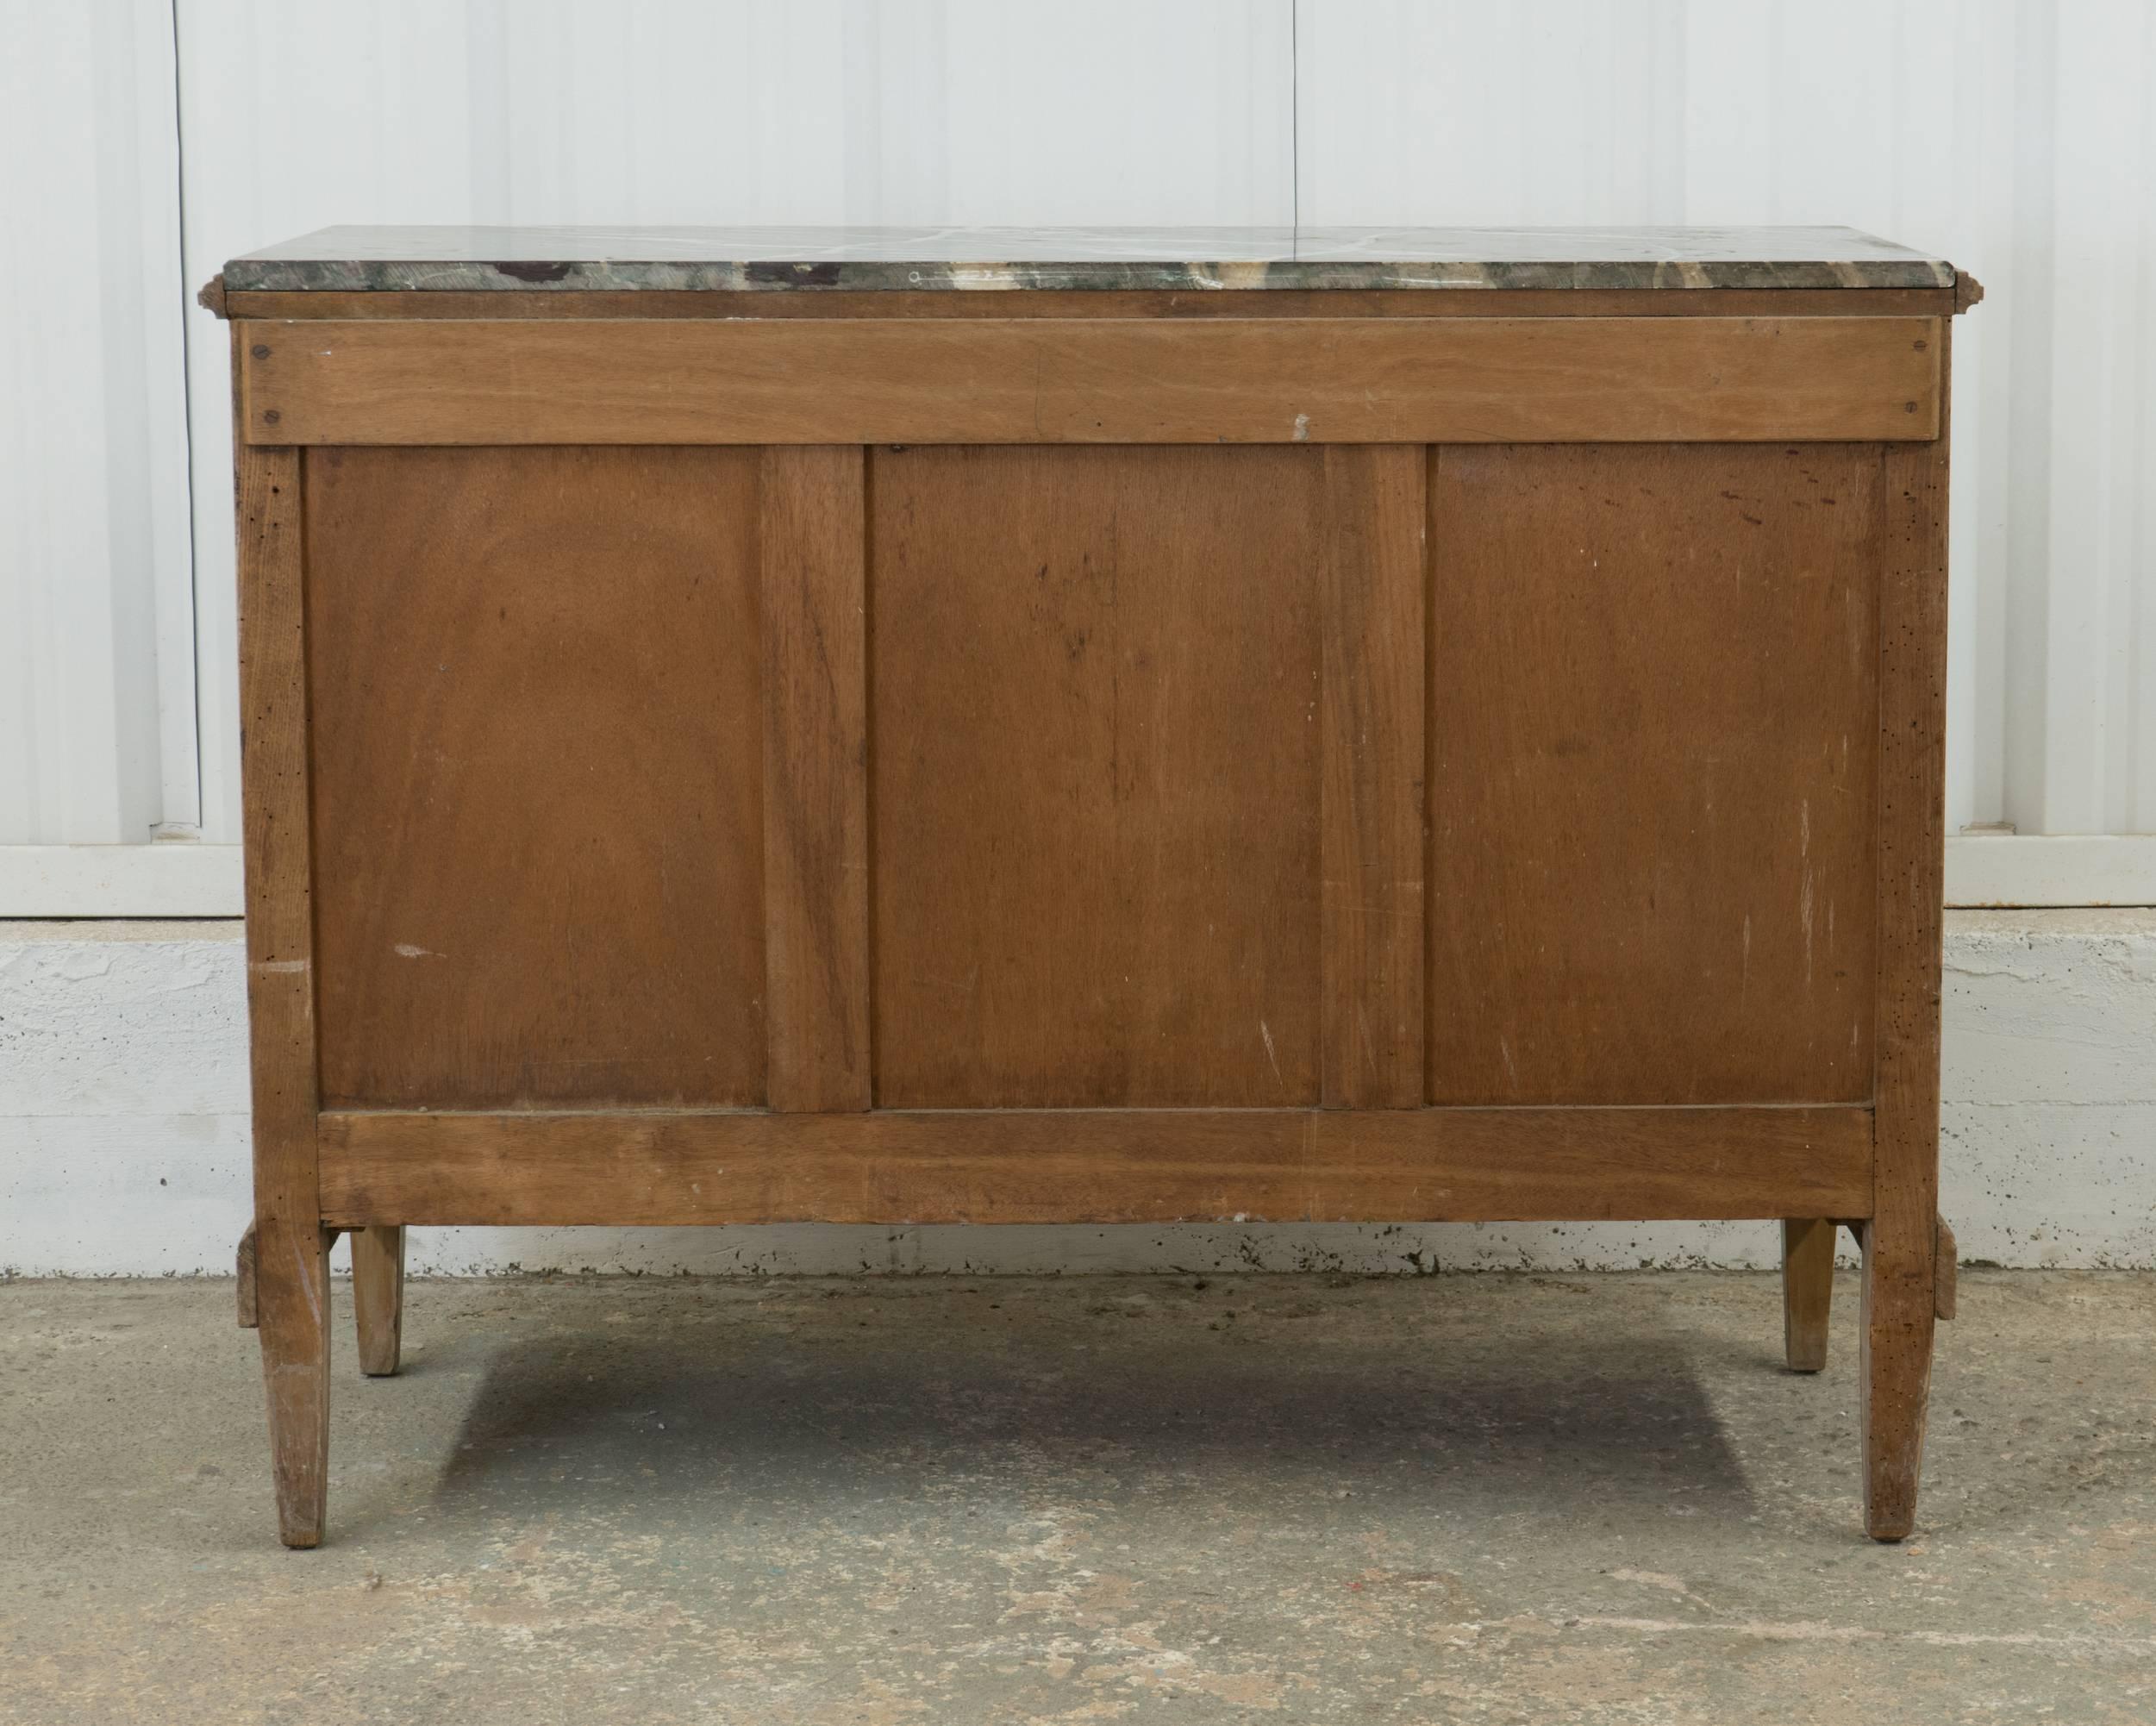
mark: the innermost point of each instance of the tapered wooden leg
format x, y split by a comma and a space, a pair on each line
1900, 1301
292, 1269
1808, 1290
377, 1297
1901, 1240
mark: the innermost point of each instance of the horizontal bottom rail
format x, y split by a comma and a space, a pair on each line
659, 1168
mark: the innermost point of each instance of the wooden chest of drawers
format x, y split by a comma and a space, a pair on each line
1412, 727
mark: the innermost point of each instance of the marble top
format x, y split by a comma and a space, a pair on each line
991, 259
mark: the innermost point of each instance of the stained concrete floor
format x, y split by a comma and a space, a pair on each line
1494, 1498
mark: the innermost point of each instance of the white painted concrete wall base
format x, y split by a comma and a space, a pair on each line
124, 1135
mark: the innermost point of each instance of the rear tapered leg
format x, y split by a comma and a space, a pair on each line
1808, 1290
1900, 1303
378, 1297
291, 1273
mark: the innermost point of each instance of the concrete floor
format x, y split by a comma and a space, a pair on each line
1491, 1498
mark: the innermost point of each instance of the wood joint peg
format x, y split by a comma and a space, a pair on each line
250, 1312
1943, 1271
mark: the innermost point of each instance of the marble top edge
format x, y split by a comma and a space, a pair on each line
372, 259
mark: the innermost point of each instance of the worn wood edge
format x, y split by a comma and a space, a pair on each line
1945, 1274
338, 305
250, 1308
1094, 1165
1324, 380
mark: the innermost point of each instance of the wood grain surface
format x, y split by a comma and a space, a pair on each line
1095, 680
815, 777
291, 1253
1808, 1290
1096, 1166
538, 747
1100, 380
1901, 1242
377, 1297
1655, 724
1372, 588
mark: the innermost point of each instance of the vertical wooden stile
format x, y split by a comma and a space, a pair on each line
1900, 1240
813, 539
1374, 606
292, 1250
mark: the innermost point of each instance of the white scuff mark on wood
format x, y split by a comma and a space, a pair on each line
405, 950
279, 968
1301, 428
303, 1274
1272, 1054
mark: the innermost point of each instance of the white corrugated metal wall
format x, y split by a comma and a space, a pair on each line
145, 140
97, 688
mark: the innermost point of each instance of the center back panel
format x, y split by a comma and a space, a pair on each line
1095, 776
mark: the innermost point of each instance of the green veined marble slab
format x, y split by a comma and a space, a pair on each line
1087, 259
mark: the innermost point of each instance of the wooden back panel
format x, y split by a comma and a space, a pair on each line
1653, 723
537, 752
1095, 688
1096, 726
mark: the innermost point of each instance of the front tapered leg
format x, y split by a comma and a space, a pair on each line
378, 1297
1808, 1291
292, 1270
1900, 1297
